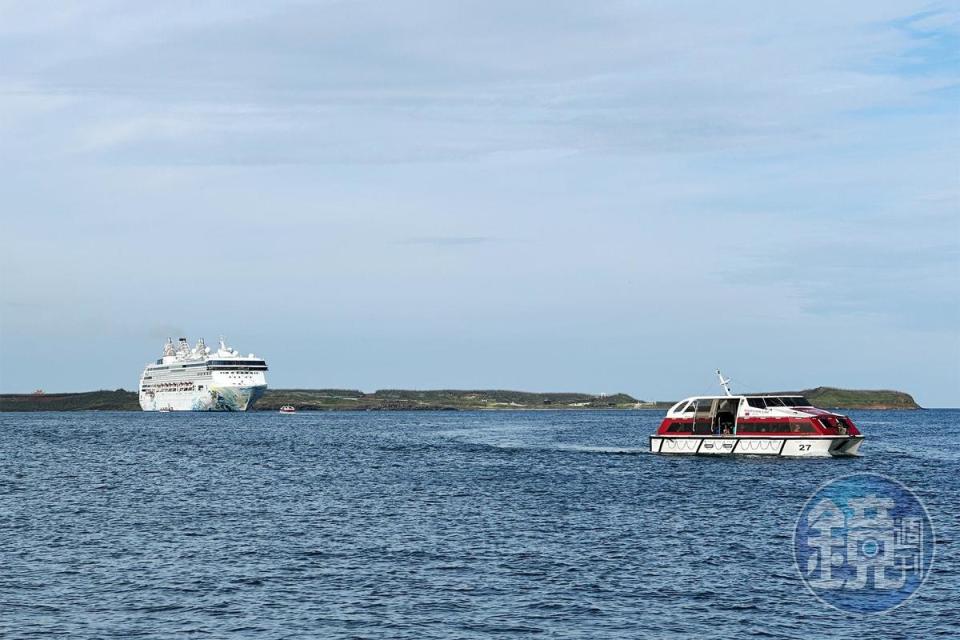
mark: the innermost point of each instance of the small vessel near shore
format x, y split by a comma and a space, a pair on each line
288, 409
754, 424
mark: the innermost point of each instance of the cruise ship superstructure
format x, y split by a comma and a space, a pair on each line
200, 379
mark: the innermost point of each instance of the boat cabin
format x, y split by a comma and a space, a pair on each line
753, 415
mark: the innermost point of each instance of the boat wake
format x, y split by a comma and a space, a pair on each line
515, 445
624, 451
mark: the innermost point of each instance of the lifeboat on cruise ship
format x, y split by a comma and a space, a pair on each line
754, 424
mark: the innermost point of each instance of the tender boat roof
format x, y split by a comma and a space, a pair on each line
749, 395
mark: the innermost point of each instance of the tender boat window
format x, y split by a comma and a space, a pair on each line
773, 402
756, 403
704, 405
728, 405
801, 426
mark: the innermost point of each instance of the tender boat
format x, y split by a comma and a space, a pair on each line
287, 409
754, 424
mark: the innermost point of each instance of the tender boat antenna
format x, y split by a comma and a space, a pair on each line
724, 382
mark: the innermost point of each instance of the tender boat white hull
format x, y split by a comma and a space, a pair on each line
790, 446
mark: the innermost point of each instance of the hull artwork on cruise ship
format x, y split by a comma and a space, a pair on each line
229, 399
225, 399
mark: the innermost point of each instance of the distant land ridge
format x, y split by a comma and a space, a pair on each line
828, 397
442, 399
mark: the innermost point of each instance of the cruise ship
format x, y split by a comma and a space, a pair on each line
199, 379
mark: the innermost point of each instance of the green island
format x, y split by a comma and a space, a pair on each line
437, 400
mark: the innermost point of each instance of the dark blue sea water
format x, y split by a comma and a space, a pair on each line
432, 525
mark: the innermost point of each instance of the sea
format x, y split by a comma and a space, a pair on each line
434, 525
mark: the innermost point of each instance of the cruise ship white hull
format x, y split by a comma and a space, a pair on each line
213, 399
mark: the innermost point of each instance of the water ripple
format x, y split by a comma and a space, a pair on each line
465, 525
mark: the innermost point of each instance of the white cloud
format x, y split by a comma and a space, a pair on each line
641, 151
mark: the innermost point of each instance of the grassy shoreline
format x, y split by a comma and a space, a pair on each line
437, 400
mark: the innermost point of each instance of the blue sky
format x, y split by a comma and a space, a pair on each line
600, 197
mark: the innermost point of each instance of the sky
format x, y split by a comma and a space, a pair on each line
546, 196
